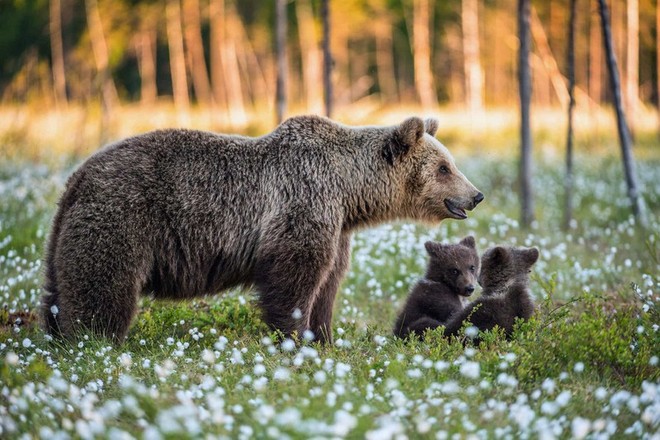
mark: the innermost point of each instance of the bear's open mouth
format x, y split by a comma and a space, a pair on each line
458, 213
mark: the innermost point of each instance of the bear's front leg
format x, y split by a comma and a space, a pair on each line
292, 264
321, 317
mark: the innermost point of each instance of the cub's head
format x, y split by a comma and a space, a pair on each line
434, 187
455, 265
502, 266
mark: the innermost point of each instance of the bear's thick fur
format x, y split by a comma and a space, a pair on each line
181, 213
450, 277
504, 278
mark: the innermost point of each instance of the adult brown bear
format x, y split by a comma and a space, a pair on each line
180, 213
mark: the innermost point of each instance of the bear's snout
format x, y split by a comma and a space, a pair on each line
469, 290
477, 199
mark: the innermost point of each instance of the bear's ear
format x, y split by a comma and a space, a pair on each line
531, 255
433, 248
469, 242
431, 126
500, 255
405, 137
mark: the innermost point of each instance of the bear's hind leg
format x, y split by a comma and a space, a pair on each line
321, 317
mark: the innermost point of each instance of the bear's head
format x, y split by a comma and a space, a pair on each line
502, 266
434, 188
455, 265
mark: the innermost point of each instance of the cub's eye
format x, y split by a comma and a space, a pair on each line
444, 169
454, 271
472, 269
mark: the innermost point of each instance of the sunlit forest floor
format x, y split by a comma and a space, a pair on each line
586, 366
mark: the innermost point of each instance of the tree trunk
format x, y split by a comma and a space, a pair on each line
422, 54
280, 51
311, 56
327, 59
217, 25
657, 59
474, 77
570, 62
632, 61
595, 57
57, 52
146, 55
548, 59
232, 74
624, 135
177, 56
385, 60
109, 95
525, 87
195, 48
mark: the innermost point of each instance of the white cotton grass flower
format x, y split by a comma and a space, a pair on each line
578, 367
282, 374
54, 310
470, 369
27, 343
580, 427
288, 345
12, 359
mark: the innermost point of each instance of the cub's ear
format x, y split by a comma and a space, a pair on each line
469, 242
433, 248
431, 126
531, 255
499, 255
405, 137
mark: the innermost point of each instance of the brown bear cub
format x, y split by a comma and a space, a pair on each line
504, 278
450, 277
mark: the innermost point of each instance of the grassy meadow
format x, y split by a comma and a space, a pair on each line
586, 366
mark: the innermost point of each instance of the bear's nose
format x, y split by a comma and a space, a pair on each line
469, 289
478, 198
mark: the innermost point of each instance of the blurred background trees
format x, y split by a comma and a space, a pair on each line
222, 53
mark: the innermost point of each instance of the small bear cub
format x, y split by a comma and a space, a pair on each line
450, 277
504, 278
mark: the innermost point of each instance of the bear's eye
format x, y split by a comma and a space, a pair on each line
444, 169
454, 271
472, 269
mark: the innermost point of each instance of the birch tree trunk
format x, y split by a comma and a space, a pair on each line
570, 62
195, 48
595, 56
232, 73
57, 52
217, 25
280, 51
327, 59
311, 56
525, 91
422, 54
146, 51
177, 56
385, 60
632, 60
474, 77
109, 95
624, 135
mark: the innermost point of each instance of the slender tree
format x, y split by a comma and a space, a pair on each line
422, 54
146, 56
195, 50
525, 92
595, 56
101, 57
624, 134
632, 59
570, 62
474, 76
311, 56
177, 55
217, 25
280, 50
57, 52
327, 58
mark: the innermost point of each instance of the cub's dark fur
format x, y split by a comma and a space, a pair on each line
451, 275
504, 278
181, 213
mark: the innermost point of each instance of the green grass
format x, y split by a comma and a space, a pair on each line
586, 363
